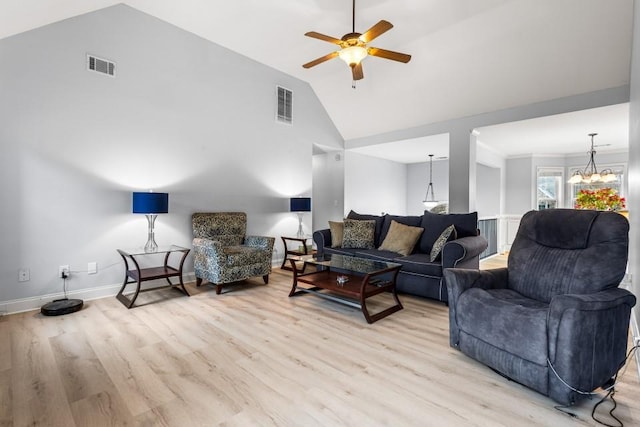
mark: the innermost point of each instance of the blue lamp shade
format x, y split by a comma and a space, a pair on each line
300, 204
150, 203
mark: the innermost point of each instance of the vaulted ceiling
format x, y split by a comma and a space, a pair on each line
468, 56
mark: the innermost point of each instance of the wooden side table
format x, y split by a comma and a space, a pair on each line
140, 275
299, 241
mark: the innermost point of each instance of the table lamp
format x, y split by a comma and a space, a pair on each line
300, 205
150, 204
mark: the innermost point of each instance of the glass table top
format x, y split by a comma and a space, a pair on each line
161, 250
347, 263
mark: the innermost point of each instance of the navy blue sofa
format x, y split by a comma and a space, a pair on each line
419, 276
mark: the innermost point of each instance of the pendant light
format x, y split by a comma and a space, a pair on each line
431, 203
590, 173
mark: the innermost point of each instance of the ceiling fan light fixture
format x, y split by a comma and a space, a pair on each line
352, 55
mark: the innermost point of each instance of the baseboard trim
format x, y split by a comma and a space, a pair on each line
34, 303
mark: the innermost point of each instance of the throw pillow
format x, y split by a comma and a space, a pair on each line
337, 229
401, 238
378, 219
358, 234
449, 233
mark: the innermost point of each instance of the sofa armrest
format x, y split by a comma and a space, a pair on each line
587, 339
464, 252
263, 242
322, 239
458, 280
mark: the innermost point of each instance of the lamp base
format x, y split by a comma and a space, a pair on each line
151, 245
300, 233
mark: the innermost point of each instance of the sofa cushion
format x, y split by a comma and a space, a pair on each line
378, 219
241, 255
419, 264
413, 221
337, 233
490, 316
401, 238
341, 251
377, 254
434, 225
358, 234
448, 234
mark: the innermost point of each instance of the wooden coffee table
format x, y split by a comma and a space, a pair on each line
364, 279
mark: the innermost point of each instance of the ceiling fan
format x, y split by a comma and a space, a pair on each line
354, 47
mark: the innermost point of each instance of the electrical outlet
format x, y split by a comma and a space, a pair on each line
92, 268
63, 269
24, 275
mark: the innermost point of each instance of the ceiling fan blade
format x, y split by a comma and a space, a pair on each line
320, 60
323, 37
356, 72
373, 32
389, 54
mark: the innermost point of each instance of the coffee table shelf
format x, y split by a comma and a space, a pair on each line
363, 281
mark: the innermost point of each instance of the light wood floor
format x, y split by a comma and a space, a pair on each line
253, 356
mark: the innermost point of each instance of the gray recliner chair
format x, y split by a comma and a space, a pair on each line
555, 319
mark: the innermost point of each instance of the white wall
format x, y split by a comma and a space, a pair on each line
183, 116
488, 191
418, 180
634, 165
374, 185
518, 186
328, 189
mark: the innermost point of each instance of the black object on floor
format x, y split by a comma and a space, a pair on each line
61, 306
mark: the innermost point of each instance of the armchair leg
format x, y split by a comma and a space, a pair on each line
198, 281
266, 279
218, 289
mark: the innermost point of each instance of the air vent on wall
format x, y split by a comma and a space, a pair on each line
102, 66
285, 105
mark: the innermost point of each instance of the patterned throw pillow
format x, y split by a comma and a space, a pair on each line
448, 234
401, 238
337, 231
358, 234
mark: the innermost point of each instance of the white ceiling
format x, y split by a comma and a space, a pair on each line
469, 56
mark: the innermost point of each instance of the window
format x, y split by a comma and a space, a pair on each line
616, 185
550, 182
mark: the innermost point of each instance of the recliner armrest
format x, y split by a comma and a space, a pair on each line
597, 304
587, 339
463, 250
458, 280
322, 239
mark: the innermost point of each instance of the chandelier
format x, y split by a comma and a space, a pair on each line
590, 173
431, 203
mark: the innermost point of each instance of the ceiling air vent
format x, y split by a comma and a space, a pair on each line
285, 102
102, 66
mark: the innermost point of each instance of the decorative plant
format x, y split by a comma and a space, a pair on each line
603, 199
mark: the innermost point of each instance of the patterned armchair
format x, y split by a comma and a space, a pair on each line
222, 252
